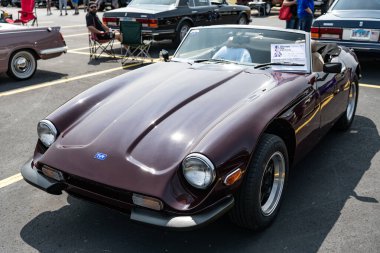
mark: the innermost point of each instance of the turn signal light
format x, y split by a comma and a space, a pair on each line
111, 21
147, 202
314, 33
233, 177
151, 23
52, 173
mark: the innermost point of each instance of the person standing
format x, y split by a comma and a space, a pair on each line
292, 23
305, 12
75, 4
62, 3
48, 7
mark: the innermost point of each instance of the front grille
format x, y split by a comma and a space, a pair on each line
98, 188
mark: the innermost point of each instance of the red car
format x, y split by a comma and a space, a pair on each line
21, 47
213, 130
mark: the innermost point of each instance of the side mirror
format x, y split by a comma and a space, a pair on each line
164, 54
332, 67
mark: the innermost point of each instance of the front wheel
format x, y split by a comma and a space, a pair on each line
345, 121
22, 65
268, 8
259, 197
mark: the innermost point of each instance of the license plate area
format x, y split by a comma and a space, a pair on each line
361, 34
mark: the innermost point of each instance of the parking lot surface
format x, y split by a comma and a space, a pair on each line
331, 204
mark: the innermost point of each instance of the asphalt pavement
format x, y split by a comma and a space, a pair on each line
331, 204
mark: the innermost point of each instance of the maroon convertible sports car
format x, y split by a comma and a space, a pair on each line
213, 130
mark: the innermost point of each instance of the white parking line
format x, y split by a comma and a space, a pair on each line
47, 84
10, 180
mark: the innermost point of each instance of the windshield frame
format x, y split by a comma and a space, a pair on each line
307, 44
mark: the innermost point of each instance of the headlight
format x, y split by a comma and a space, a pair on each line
198, 170
47, 133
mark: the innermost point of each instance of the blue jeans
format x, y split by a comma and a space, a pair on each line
292, 23
305, 22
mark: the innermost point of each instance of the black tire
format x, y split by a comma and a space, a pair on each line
345, 121
182, 30
242, 20
22, 65
250, 210
267, 8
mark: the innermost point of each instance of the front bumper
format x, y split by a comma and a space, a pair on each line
33, 177
144, 215
57, 50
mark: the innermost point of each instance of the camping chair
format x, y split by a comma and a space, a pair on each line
27, 14
136, 48
98, 47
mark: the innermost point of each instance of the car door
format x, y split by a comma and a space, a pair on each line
226, 14
333, 89
202, 13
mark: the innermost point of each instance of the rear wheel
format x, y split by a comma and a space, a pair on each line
345, 121
242, 20
182, 31
22, 65
258, 200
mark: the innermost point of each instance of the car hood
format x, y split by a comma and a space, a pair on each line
368, 14
153, 121
143, 9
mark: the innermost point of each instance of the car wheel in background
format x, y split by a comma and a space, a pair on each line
347, 118
243, 20
268, 8
259, 197
22, 65
182, 30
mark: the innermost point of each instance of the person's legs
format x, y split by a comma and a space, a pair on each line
290, 23
65, 5
305, 23
60, 2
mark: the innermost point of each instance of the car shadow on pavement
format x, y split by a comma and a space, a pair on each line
41, 76
319, 188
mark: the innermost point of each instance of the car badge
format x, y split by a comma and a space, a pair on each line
125, 14
361, 23
100, 156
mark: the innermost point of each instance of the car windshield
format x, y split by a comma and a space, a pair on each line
357, 5
153, 2
245, 46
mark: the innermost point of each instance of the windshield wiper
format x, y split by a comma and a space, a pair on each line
278, 64
214, 60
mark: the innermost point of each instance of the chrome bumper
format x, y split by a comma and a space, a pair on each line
54, 50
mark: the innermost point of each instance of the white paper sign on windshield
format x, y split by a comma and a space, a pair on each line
292, 53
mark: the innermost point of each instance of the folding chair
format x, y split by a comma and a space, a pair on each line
137, 49
27, 14
98, 47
